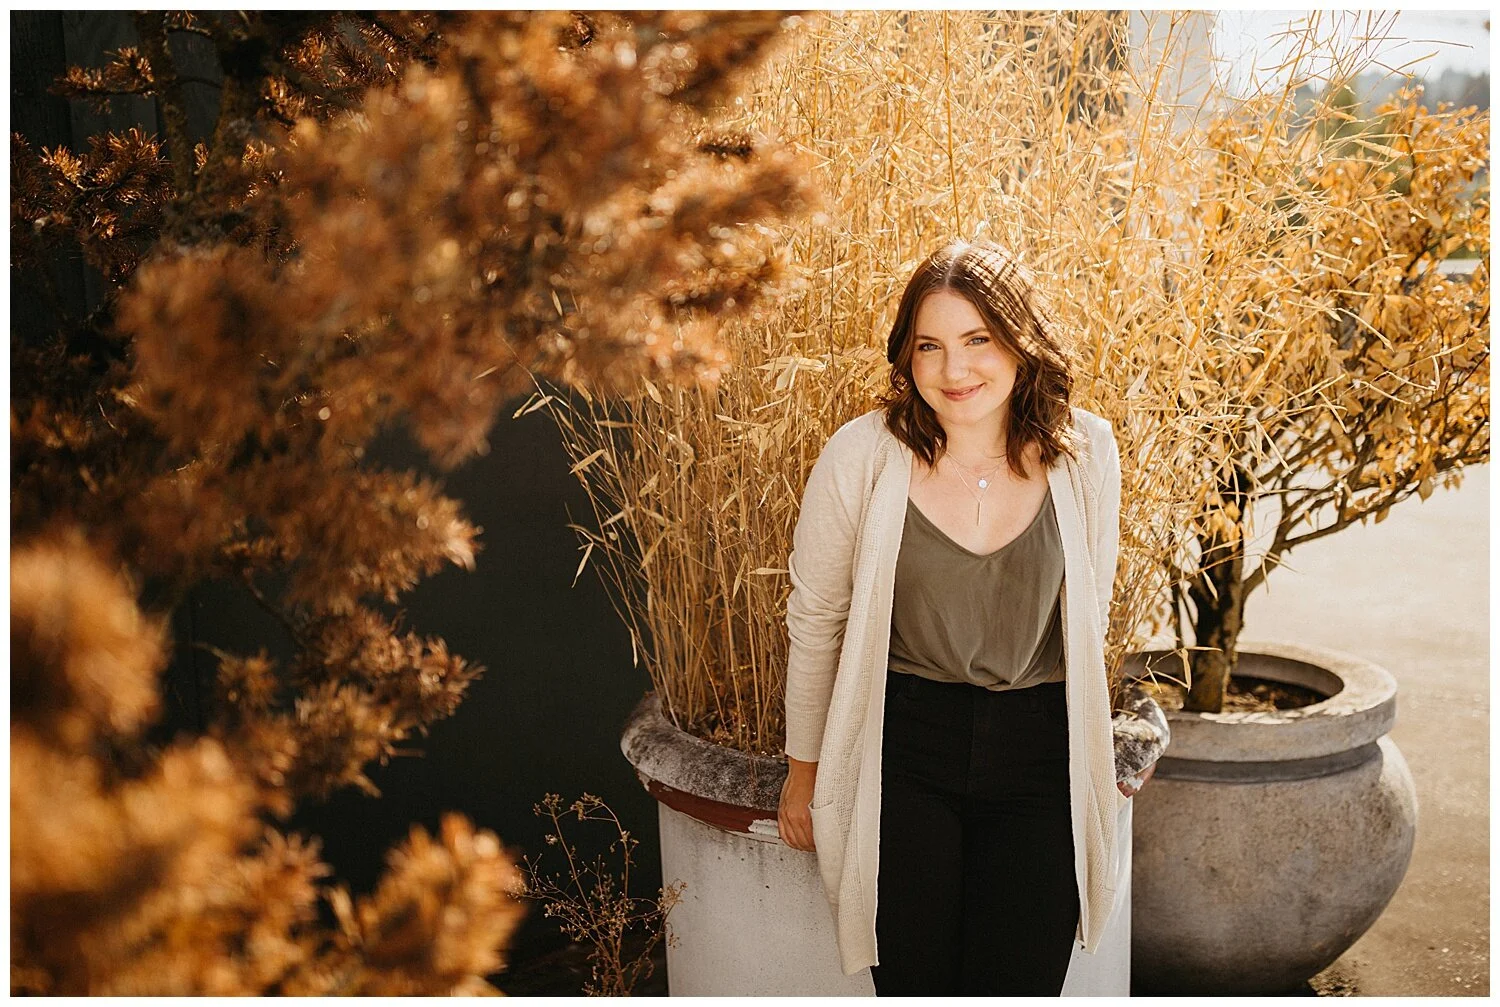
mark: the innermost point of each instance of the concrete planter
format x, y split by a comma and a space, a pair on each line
753, 920
1267, 843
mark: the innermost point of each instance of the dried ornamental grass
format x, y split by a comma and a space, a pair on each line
1177, 246
697, 493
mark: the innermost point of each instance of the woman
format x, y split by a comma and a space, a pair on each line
947, 714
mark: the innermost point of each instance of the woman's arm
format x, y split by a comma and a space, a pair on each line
1107, 523
793, 812
821, 567
1106, 556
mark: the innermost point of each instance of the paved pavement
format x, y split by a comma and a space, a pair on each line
1412, 594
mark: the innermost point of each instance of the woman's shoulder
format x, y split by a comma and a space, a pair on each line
1092, 424
1094, 431
848, 458
860, 436
1097, 437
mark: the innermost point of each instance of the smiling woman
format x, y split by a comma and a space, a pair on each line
966, 379
951, 629
971, 367
979, 389
971, 330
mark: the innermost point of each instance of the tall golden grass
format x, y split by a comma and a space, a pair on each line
1167, 234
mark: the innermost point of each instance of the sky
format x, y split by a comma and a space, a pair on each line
1457, 39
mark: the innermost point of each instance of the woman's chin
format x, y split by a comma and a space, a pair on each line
970, 410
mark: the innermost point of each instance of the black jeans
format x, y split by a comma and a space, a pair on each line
976, 893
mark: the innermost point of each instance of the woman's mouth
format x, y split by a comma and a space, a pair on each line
964, 394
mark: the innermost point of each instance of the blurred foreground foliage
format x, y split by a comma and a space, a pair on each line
395, 216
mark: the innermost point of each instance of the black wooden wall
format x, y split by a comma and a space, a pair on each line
546, 714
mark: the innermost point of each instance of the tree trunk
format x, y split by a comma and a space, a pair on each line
1218, 595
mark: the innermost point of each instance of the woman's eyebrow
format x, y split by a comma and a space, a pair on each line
969, 333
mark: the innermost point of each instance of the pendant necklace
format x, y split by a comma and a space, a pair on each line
984, 483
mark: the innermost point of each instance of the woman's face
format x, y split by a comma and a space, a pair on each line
959, 368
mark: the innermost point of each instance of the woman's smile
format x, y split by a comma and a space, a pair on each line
962, 393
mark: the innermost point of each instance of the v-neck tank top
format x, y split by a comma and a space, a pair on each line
990, 620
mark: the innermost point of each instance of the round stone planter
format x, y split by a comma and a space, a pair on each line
753, 920
1267, 843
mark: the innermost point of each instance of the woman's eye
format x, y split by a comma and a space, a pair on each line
934, 346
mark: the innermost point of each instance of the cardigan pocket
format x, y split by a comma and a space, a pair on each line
828, 843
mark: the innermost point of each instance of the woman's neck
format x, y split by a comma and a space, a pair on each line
977, 444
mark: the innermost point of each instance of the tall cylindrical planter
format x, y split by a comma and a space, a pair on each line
753, 920
1268, 842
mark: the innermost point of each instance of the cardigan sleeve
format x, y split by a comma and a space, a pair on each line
821, 568
1107, 547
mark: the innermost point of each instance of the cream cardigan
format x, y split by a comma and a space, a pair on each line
842, 569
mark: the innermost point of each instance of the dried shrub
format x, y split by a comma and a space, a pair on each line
1349, 370
397, 218
592, 901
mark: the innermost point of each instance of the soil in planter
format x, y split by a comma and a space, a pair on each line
1246, 694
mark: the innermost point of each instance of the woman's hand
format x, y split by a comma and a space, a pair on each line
793, 816
1132, 785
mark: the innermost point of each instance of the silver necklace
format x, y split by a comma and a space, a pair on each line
984, 483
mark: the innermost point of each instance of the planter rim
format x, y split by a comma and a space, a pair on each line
715, 784
1359, 713
734, 790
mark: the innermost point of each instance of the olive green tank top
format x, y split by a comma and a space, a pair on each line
991, 620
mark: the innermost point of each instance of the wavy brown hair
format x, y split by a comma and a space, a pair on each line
1001, 289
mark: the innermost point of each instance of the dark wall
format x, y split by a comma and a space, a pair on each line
546, 715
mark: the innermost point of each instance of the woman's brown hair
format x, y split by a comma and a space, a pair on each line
1001, 290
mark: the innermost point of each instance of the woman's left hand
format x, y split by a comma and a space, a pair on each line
1132, 785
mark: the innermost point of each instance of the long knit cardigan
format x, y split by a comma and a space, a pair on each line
842, 568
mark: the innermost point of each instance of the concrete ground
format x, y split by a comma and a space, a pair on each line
1412, 594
